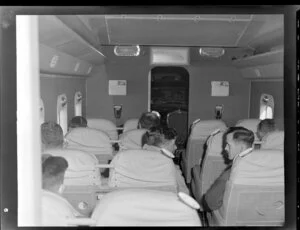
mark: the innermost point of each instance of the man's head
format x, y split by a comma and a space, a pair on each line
237, 140
78, 121
52, 135
53, 172
148, 120
264, 127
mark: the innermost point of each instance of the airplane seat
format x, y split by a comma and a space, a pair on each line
55, 210
254, 194
104, 125
142, 168
131, 139
250, 124
213, 165
274, 140
92, 141
143, 207
130, 124
200, 131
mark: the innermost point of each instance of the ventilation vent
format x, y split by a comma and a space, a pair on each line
127, 50
212, 52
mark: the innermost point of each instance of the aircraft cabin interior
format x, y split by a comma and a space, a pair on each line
200, 74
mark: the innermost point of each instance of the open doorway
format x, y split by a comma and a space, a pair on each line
170, 97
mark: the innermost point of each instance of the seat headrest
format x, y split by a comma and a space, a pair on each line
131, 124
260, 167
274, 140
144, 208
132, 139
204, 128
77, 160
88, 137
104, 125
145, 166
214, 144
250, 124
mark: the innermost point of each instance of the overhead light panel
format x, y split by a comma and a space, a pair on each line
214, 52
127, 50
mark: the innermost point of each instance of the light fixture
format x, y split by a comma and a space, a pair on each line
127, 50
214, 52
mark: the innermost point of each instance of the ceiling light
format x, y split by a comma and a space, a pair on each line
127, 50
212, 52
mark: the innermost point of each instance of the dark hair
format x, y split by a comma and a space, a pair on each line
53, 170
241, 134
157, 135
266, 125
149, 120
78, 121
52, 134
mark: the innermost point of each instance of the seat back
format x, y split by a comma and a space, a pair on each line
178, 120
254, 194
142, 168
196, 141
250, 124
132, 139
130, 124
142, 207
92, 141
55, 210
213, 164
81, 169
104, 125
274, 140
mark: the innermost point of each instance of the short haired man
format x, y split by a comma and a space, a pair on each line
55, 209
239, 141
265, 127
52, 135
148, 120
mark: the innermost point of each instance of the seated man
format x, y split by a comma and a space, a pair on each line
52, 136
265, 127
148, 120
239, 142
55, 209
77, 121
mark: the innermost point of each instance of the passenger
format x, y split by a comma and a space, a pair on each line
52, 136
55, 209
77, 121
265, 127
158, 137
239, 142
148, 120
45, 156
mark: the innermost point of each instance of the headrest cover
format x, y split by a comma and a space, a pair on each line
142, 168
144, 208
88, 137
250, 124
260, 167
104, 125
274, 140
131, 124
132, 139
204, 128
214, 144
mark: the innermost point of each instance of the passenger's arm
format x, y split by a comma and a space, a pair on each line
213, 199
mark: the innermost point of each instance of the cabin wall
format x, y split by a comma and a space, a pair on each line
135, 71
274, 88
54, 85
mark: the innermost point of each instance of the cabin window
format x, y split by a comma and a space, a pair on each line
266, 107
78, 104
42, 112
62, 112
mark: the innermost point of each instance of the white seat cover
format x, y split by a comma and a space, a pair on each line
203, 128
81, 167
274, 140
56, 210
131, 124
132, 139
104, 125
142, 168
141, 207
89, 140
